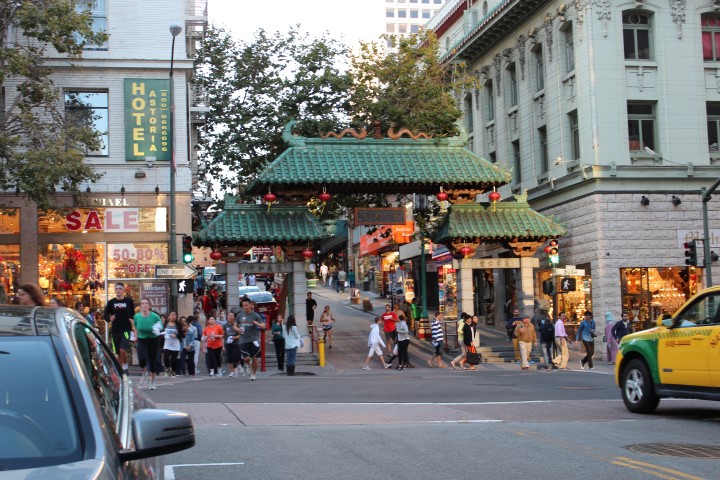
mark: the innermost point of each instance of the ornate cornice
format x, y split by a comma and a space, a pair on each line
677, 11
604, 13
520, 47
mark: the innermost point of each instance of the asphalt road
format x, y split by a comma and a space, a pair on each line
494, 423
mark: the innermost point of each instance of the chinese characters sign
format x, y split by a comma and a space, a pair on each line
147, 119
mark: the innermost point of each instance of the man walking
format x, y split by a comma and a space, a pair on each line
527, 338
251, 323
342, 277
351, 278
389, 318
310, 306
119, 312
586, 333
513, 322
621, 328
561, 343
324, 273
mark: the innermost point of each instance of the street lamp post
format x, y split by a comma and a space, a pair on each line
175, 31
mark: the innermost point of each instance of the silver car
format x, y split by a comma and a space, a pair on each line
67, 410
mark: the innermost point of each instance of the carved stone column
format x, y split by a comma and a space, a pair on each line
465, 294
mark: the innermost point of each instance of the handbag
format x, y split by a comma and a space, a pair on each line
472, 357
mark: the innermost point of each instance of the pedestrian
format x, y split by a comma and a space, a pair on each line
476, 336
374, 342
30, 294
268, 283
118, 313
327, 321
436, 330
279, 342
293, 340
334, 279
547, 338
251, 281
468, 334
188, 346
310, 306
621, 328
351, 278
463, 348
510, 325
389, 318
195, 322
561, 343
586, 333
232, 345
403, 342
415, 312
251, 323
212, 338
171, 345
527, 338
149, 327
324, 273
611, 344
341, 279
207, 304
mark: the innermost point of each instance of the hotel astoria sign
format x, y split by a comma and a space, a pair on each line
147, 119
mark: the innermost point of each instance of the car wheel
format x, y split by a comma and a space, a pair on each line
637, 388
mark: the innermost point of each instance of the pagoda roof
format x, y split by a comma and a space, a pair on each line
366, 165
505, 221
243, 224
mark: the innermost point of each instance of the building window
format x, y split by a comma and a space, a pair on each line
489, 102
713, 126
402, 13
490, 138
539, 68
641, 125
426, 14
468, 114
493, 157
425, 1
517, 166
542, 150
413, 1
437, 2
414, 14
569, 49
414, 28
98, 13
512, 85
402, 28
390, 27
89, 110
390, 13
711, 37
574, 134
636, 35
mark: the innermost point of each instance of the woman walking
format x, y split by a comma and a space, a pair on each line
292, 342
279, 341
403, 342
148, 326
212, 338
232, 345
437, 339
30, 294
612, 345
586, 333
327, 321
171, 348
188, 345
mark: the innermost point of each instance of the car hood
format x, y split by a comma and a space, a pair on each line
87, 469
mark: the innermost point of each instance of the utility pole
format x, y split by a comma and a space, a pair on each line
706, 195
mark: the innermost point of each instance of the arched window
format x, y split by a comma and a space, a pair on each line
710, 24
636, 35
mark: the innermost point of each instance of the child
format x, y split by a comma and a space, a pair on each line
374, 342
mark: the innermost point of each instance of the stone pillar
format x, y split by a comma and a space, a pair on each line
465, 294
30, 272
526, 294
232, 285
299, 292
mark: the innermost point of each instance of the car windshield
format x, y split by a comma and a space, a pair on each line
250, 289
37, 422
261, 297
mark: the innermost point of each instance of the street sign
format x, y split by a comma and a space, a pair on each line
570, 271
185, 286
175, 271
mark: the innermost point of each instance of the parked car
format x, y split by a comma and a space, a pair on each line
217, 280
677, 358
265, 305
67, 409
248, 289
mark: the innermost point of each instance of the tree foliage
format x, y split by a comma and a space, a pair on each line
255, 87
39, 148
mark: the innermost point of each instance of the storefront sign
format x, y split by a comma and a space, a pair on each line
570, 271
380, 238
175, 271
158, 295
431, 267
147, 119
689, 235
135, 259
112, 220
380, 216
487, 263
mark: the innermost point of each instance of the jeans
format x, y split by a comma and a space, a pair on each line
589, 352
547, 351
280, 352
291, 353
214, 359
171, 359
403, 358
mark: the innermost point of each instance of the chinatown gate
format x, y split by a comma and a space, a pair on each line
358, 162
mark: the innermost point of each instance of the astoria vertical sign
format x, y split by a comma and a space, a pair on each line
147, 119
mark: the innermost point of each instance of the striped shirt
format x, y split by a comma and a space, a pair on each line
437, 332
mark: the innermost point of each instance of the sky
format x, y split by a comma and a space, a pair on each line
346, 20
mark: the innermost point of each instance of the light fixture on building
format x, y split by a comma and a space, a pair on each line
122, 190
675, 201
140, 174
157, 190
645, 201
150, 160
196, 147
88, 189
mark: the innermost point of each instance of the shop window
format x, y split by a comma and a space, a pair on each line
9, 221
89, 110
713, 126
73, 273
650, 292
9, 272
641, 125
636, 35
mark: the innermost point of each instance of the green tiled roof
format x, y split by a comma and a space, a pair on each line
510, 220
351, 165
255, 225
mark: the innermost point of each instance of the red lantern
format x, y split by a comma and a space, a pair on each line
441, 196
324, 197
216, 255
494, 196
307, 254
269, 197
465, 251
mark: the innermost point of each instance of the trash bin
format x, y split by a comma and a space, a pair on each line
366, 286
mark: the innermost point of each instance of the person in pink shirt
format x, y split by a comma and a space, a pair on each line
561, 341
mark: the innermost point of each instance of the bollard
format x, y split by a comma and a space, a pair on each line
321, 352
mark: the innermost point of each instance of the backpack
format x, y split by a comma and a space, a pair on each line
547, 331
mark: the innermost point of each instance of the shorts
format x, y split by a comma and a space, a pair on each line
390, 336
121, 341
327, 327
438, 348
249, 350
232, 350
375, 348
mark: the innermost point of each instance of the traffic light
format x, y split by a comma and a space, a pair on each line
187, 255
549, 287
552, 252
568, 284
691, 253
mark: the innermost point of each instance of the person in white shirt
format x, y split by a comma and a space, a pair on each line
374, 342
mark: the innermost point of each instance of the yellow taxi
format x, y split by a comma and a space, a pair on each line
680, 357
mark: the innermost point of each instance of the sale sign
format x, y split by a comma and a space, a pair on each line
158, 294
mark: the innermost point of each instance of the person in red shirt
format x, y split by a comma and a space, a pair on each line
212, 338
389, 318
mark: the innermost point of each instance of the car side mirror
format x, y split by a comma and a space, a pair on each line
159, 432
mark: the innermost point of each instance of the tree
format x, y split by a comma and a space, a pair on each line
40, 148
408, 87
256, 87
